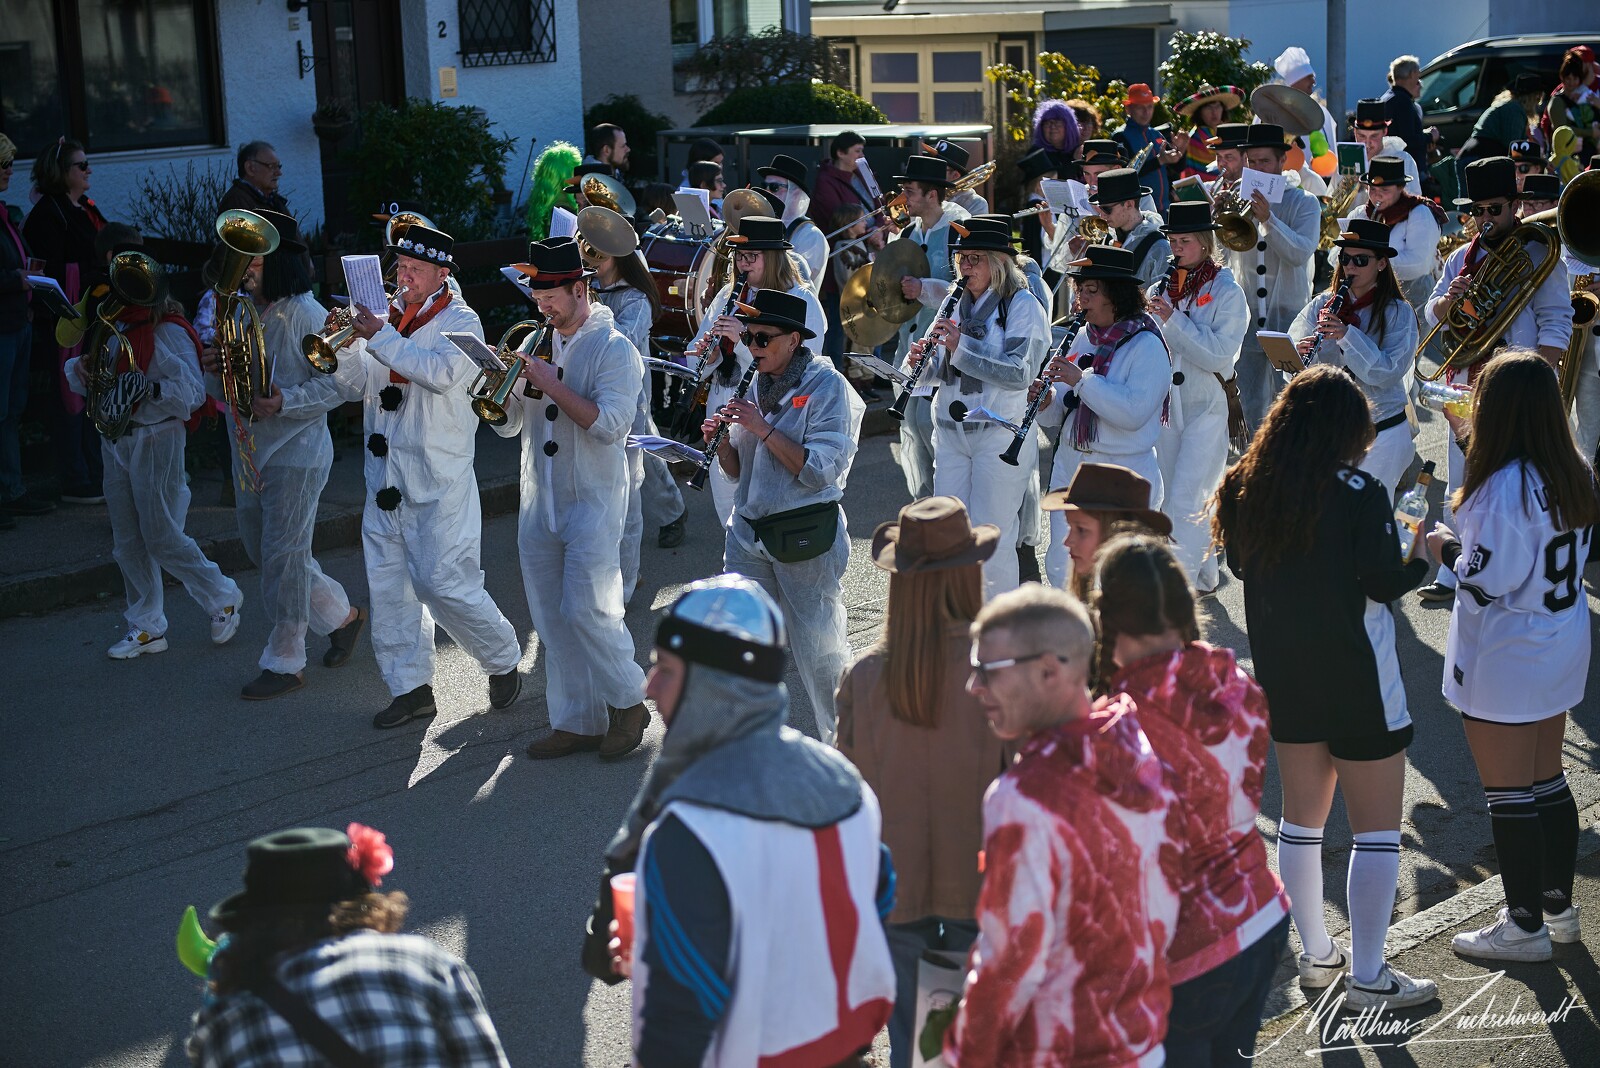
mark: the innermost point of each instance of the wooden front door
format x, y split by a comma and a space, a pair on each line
358, 48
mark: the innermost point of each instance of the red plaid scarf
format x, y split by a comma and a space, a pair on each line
1187, 283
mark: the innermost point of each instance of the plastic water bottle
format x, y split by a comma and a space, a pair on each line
1412, 512
1442, 397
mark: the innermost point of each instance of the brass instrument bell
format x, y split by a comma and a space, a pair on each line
607, 192
492, 389
602, 232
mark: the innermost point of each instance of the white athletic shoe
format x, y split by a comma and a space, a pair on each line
136, 643
1393, 988
1563, 926
225, 624
1504, 940
1316, 974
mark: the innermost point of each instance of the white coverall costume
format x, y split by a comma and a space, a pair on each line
810, 243
822, 414
1156, 256
293, 453
1127, 401
422, 552
1203, 335
990, 367
146, 495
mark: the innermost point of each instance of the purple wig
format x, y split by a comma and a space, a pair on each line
1056, 109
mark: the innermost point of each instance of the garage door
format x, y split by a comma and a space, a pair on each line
1126, 53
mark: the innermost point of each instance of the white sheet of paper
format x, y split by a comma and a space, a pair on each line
562, 222
44, 281
984, 415
475, 347
930, 375
363, 280
1066, 195
694, 207
876, 366
868, 179
666, 448
1271, 185
512, 275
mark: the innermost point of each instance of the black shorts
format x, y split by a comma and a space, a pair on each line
1373, 747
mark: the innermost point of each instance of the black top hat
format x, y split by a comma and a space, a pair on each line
1524, 83
1229, 135
1527, 152
1189, 217
1368, 234
984, 233
1385, 170
590, 168
1541, 187
1265, 135
1117, 186
758, 232
553, 262
390, 208
289, 239
926, 170
1037, 164
1104, 262
304, 866
952, 153
1369, 115
774, 308
425, 244
1488, 178
1103, 151
787, 168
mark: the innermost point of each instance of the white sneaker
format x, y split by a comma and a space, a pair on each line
1316, 974
136, 643
1504, 940
225, 624
1563, 926
1393, 989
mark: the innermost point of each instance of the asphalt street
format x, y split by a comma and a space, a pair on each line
131, 788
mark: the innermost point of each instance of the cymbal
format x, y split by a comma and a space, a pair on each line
897, 260
1286, 106
863, 324
608, 193
738, 203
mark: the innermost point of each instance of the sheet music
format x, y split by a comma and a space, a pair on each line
1270, 185
666, 448
694, 208
877, 366
562, 222
984, 415
475, 347
363, 280
868, 179
517, 279
1066, 196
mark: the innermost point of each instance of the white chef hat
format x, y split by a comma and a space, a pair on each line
1293, 64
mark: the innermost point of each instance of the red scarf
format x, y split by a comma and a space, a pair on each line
140, 333
1401, 210
1187, 283
409, 318
1351, 312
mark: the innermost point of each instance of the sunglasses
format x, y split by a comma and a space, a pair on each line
1492, 210
1347, 260
82, 165
757, 341
980, 670
6, 166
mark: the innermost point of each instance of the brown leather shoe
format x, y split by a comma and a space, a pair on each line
564, 743
627, 731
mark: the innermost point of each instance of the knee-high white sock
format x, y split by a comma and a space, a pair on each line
1374, 871
1300, 868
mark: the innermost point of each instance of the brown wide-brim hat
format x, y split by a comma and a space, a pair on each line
1108, 488
932, 534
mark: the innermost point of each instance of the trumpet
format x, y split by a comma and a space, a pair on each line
973, 178
698, 479
898, 408
322, 350
491, 390
1238, 230
1020, 438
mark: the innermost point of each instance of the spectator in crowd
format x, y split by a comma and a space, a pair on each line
1056, 129
1575, 106
551, 187
607, 144
256, 187
1404, 113
1293, 65
1101, 499
1075, 916
1205, 109
1137, 133
839, 184
1505, 121
15, 340
315, 970
61, 230
1089, 121
702, 150
919, 738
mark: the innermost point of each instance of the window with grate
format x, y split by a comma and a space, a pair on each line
499, 33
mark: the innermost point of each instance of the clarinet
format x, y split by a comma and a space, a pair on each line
698, 479
1014, 450
1340, 296
735, 294
1166, 277
898, 408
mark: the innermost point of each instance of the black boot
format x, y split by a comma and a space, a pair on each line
1027, 565
418, 704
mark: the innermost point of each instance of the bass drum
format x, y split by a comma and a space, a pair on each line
679, 263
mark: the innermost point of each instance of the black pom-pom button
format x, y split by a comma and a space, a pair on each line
378, 445
551, 412
388, 498
1261, 268
389, 397
551, 448
1177, 378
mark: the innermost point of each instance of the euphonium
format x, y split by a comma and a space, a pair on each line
1579, 200
491, 389
137, 281
241, 345
322, 350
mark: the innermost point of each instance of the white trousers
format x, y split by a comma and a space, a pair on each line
1259, 381
916, 447
967, 466
811, 596
574, 592
1389, 455
149, 502
1192, 458
1057, 564
422, 568
276, 526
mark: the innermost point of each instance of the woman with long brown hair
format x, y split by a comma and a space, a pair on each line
1518, 653
920, 739
1312, 538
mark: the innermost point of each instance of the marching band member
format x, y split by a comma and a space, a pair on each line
1228, 146
1530, 160
1037, 229
574, 504
790, 446
1373, 337
1540, 192
785, 177
421, 531
1544, 323
1414, 226
622, 283
1137, 133
955, 158
1116, 198
1120, 399
924, 184
292, 452
1370, 127
1102, 155
988, 360
1277, 271
1204, 316
761, 254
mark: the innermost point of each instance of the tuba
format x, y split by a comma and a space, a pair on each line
492, 389
1579, 200
241, 345
137, 281
603, 233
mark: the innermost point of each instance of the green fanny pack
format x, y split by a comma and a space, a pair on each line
800, 533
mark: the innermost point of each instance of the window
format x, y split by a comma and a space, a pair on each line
1451, 87
958, 107
499, 33
958, 66
894, 67
694, 22
899, 107
128, 74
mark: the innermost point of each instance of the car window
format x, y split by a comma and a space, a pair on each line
1451, 86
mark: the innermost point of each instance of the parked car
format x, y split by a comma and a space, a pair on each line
1459, 85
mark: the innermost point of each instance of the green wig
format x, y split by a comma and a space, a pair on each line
550, 175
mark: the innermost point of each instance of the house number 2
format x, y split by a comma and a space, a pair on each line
441, 29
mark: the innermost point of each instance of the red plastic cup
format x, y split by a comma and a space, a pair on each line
622, 887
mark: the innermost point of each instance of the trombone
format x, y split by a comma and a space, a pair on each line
491, 390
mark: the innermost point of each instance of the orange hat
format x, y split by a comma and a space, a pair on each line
1139, 93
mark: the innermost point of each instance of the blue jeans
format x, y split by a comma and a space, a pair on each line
15, 349
833, 340
906, 943
1215, 1016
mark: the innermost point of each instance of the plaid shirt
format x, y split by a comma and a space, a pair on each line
398, 998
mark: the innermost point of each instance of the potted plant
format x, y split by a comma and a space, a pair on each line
333, 120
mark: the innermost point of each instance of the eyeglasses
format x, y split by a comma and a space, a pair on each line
970, 259
1347, 260
1492, 210
275, 168
980, 671
757, 341
747, 254
1529, 168
82, 165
